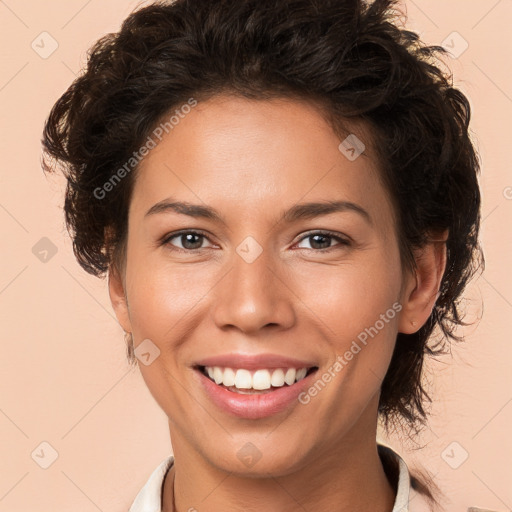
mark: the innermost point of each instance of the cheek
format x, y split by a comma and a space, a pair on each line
358, 306
350, 296
161, 296
165, 307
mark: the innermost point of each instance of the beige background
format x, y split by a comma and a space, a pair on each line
63, 375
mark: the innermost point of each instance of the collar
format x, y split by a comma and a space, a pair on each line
407, 500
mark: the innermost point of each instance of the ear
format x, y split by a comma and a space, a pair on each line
421, 288
116, 289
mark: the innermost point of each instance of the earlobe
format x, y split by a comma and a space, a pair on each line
422, 287
116, 289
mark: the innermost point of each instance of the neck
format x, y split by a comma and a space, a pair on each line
347, 477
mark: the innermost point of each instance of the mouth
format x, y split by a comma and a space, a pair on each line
254, 382
254, 386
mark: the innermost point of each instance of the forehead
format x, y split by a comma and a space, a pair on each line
258, 156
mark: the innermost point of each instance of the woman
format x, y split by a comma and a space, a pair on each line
284, 197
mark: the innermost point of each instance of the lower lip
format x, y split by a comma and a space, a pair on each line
255, 406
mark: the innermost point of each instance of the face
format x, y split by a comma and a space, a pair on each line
251, 282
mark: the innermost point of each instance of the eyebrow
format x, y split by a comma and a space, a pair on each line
296, 212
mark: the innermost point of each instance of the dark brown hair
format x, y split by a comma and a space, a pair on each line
349, 56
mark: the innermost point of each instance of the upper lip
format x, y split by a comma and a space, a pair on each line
254, 362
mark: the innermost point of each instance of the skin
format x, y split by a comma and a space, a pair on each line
251, 161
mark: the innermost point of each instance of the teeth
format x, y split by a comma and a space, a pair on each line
301, 374
218, 375
258, 380
277, 379
229, 377
261, 380
243, 379
289, 376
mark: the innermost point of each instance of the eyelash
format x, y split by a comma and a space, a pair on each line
329, 234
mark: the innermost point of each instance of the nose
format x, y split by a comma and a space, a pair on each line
253, 295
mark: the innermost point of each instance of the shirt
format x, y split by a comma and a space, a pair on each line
407, 499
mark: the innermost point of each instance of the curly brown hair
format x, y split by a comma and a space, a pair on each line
352, 58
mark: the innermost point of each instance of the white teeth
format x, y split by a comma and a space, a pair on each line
218, 375
301, 374
258, 380
243, 379
289, 377
229, 377
261, 379
277, 379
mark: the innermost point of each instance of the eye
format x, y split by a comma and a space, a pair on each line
321, 240
187, 240
193, 240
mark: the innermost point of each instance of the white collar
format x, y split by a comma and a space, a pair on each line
407, 500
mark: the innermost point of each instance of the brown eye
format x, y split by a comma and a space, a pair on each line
322, 241
186, 240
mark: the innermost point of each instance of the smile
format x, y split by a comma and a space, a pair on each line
246, 381
253, 386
